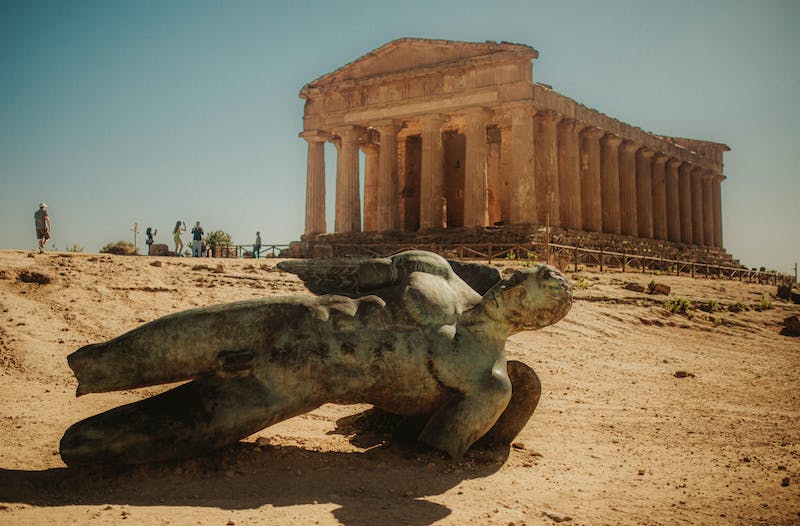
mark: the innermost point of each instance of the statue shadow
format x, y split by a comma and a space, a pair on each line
382, 484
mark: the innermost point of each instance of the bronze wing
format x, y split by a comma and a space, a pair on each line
354, 277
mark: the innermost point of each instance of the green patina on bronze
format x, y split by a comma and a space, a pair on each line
413, 335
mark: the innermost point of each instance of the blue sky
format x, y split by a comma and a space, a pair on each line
121, 111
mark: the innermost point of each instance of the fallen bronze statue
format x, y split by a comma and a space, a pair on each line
413, 334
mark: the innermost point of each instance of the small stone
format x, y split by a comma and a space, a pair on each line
641, 472
557, 517
785, 481
262, 442
155, 263
635, 287
683, 374
518, 445
662, 289
230, 523
792, 324
745, 459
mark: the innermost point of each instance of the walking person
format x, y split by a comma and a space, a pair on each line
197, 240
42, 221
257, 246
150, 233
180, 226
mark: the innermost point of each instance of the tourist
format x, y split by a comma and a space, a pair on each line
42, 221
150, 233
197, 240
180, 226
257, 246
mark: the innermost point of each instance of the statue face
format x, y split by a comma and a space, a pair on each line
530, 299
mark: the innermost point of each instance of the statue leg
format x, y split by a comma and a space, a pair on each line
455, 426
525, 392
194, 418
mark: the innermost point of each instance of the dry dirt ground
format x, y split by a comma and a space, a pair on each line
617, 438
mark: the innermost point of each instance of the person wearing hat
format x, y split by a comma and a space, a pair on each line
42, 221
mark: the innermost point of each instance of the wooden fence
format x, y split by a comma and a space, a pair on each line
573, 258
246, 251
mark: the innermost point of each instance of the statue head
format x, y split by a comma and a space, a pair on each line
530, 299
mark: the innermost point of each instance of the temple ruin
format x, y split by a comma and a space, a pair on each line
460, 143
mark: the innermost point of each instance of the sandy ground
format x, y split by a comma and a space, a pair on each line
617, 438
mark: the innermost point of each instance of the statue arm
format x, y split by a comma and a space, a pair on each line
455, 426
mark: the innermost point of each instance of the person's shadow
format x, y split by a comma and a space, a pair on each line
379, 485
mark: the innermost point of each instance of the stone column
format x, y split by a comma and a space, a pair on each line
659, 197
371, 186
591, 209
569, 174
315, 182
609, 180
673, 201
546, 163
388, 195
627, 189
644, 192
698, 234
708, 209
432, 177
685, 185
506, 172
494, 178
475, 199
523, 183
348, 201
716, 196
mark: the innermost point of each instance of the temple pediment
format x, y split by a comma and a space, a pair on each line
408, 54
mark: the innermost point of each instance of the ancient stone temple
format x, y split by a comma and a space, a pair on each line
457, 137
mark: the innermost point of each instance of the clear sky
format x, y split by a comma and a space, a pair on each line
115, 112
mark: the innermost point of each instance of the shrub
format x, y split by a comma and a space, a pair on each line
763, 305
679, 306
77, 249
739, 307
582, 283
120, 248
711, 306
218, 238
651, 287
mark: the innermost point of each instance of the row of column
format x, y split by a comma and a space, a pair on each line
561, 173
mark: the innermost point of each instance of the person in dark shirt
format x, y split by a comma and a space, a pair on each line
257, 246
149, 233
197, 240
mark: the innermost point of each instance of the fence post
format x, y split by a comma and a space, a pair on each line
601, 260
624, 257
692, 267
490, 253
576, 259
